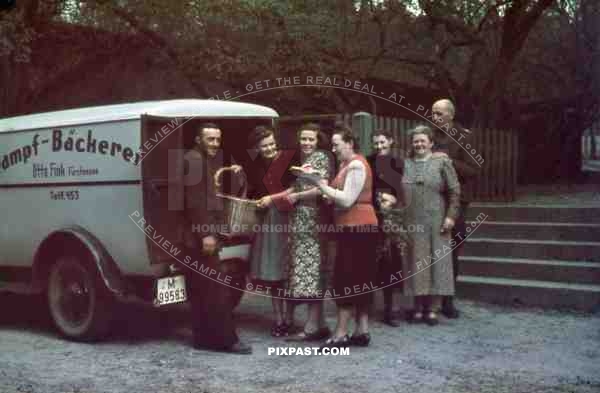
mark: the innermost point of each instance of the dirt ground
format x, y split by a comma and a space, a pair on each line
490, 349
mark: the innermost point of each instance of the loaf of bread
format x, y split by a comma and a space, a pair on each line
296, 168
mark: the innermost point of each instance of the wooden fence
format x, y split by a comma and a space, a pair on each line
590, 148
494, 151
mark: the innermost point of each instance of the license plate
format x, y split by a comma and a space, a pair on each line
170, 290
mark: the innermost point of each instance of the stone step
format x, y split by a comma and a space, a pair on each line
585, 297
532, 249
532, 269
537, 230
16, 287
535, 213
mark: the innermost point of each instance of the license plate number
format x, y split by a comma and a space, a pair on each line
170, 290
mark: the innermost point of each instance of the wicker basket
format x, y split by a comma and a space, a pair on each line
239, 215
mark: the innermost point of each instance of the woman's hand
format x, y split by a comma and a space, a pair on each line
325, 197
264, 202
293, 197
306, 168
387, 201
447, 225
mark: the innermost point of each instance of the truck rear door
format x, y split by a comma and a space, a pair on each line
162, 179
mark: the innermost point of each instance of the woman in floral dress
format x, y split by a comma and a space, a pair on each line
307, 275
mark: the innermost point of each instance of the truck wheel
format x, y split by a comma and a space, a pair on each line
79, 304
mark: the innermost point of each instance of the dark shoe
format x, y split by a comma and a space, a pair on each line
449, 310
413, 316
291, 328
430, 318
390, 320
278, 330
360, 340
341, 342
239, 348
317, 335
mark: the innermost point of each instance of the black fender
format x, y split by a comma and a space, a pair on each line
76, 239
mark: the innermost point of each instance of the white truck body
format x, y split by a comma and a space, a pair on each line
83, 168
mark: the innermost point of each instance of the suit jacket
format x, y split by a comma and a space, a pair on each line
202, 207
466, 167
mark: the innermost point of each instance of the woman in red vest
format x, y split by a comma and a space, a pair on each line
356, 235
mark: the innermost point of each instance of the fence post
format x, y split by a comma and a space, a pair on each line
362, 126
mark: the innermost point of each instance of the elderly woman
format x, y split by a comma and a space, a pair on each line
354, 273
267, 183
431, 184
387, 182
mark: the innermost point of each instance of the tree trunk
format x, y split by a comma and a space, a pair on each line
11, 89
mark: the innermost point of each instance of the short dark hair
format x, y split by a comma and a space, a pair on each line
385, 133
345, 132
258, 134
322, 142
308, 127
202, 126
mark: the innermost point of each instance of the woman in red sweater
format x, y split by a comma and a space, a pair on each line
356, 235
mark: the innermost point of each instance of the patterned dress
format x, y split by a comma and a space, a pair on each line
307, 273
431, 192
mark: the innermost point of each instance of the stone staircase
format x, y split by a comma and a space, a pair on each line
539, 255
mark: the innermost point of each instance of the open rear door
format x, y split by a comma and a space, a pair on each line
162, 178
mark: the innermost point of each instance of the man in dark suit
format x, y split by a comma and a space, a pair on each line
450, 139
211, 303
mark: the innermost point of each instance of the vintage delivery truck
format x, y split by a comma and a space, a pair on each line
80, 189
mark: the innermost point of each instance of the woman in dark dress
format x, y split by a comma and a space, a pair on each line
267, 183
387, 180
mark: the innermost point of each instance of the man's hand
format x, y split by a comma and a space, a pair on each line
234, 168
447, 225
439, 154
209, 245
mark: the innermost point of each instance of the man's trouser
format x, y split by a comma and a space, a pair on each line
211, 307
459, 232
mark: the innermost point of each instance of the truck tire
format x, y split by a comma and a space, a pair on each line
79, 304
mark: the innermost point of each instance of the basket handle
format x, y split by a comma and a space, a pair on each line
234, 168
